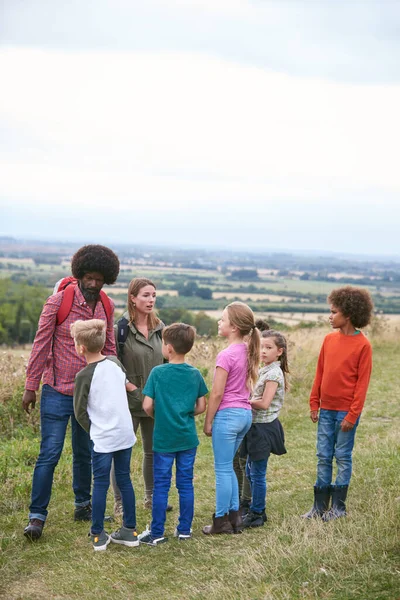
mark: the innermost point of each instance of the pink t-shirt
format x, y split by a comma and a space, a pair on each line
234, 360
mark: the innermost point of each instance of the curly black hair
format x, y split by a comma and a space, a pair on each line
94, 257
355, 303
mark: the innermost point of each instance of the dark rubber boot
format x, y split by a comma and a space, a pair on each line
236, 519
321, 502
338, 508
33, 531
219, 525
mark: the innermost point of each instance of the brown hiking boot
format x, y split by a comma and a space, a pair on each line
33, 530
219, 525
236, 519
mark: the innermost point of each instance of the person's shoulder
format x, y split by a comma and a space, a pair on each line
363, 340
113, 359
86, 372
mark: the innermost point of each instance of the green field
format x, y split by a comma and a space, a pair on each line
353, 558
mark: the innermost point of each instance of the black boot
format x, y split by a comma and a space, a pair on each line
254, 519
321, 502
338, 508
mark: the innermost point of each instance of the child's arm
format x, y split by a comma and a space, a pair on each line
200, 405
315, 398
81, 395
215, 398
267, 397
148, 406
360, 392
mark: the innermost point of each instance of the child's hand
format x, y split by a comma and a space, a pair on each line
314, 416
346, 425
207, 429
130, 387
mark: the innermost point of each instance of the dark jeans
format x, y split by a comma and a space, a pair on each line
55, 411
256, 471
333, 442
184, 462
101, 482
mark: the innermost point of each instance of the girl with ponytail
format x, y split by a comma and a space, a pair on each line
228, 415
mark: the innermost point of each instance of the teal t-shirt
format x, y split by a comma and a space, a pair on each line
174, 389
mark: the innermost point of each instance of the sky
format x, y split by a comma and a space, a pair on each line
268, 124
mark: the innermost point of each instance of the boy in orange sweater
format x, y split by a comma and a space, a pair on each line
338, 395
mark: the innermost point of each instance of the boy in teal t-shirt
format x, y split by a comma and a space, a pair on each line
174, 394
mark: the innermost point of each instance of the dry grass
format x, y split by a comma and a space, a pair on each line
289, 559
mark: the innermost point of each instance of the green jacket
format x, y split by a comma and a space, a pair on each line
139, 357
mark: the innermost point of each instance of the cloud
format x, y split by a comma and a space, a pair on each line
346, 40
179, 128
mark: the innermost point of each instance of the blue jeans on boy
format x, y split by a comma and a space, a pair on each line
162, 469
229, 427
101, 482
55, 411
256, 472
333, 442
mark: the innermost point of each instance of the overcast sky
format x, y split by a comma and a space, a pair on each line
270, 124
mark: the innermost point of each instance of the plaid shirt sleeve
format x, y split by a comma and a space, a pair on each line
43, 343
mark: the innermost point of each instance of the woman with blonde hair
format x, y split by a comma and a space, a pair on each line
140, 352
229, 414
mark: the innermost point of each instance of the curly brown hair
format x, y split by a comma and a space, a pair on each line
95, 258
355, 303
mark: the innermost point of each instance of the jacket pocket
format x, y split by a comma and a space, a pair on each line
135, 400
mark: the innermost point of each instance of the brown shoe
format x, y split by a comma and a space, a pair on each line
33, 530
219, 525
236, 519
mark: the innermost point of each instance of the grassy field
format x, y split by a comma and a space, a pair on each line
352, 558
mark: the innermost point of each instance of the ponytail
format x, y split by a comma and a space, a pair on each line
253, 357
242, 317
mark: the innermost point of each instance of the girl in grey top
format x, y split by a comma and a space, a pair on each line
266, 433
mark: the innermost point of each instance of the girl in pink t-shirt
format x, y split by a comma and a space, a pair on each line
229, 414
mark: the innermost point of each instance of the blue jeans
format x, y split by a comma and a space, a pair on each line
101, 482
55, 411
333, 442
256, 471
162, 467
229, 427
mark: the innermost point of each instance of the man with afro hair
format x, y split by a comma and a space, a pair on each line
338, 395
54, 361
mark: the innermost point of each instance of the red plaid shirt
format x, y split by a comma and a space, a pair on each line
53, 354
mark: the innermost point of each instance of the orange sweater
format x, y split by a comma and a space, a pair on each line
343, 373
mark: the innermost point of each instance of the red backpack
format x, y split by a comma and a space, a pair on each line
68, 286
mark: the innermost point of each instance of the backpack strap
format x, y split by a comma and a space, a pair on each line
66, 304
68, 298
122, 334
105, 300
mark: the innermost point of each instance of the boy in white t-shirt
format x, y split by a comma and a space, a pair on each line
101, 408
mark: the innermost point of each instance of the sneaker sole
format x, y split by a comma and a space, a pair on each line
125, 543
102, 548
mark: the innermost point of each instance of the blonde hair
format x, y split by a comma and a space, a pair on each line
134, 288
241, 316
91, 334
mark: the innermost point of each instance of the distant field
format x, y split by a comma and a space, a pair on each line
295, 318
123, 290
249, 296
